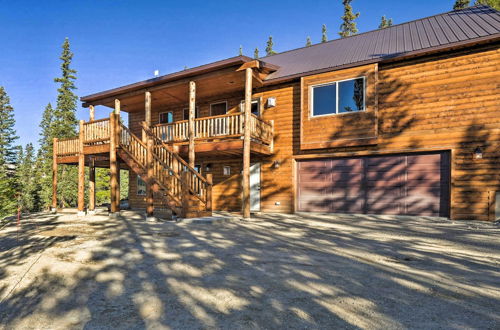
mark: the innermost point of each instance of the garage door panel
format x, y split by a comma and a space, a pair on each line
400, 184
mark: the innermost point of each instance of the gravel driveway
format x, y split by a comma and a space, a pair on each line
275, 271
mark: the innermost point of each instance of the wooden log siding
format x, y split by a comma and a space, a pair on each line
96, 131
68, 146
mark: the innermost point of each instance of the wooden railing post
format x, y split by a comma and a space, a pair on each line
192, 109
185, 193
54, 174
147, 113
150, 180
113, 176
91, 113
209, 192
81, 172
247, 144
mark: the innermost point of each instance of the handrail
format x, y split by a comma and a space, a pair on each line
96, 131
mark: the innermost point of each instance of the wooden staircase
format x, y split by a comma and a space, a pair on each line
187, 193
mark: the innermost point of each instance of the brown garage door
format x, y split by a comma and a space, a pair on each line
415, 184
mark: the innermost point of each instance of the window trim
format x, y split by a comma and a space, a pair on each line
336, 82
161, 113
219, 102
196, 112
259, 103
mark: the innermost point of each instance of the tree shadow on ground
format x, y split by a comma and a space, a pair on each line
273, 272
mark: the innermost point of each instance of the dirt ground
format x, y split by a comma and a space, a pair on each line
275, 271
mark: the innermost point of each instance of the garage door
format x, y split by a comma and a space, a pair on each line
416, 184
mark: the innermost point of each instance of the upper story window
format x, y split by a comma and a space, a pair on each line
166, 117
255, 106
219, 108
338, 97
186, 113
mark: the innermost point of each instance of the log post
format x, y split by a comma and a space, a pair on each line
54, 175
246, 144
92, 186
185, 194
147, 114
117, 107
91, 113
150, 181
192, 109
113, 176
81, 172
209, 192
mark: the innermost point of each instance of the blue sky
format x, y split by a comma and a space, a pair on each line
117, 42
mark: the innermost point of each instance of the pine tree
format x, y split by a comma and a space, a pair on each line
308, 41
348, 26
269, 46
495, 4
44, 157
324, 37
241, 51
8, 156
461, 4
384, 22
64, 125
26, 173
256, 53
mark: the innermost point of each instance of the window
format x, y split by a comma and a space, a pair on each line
217, 109
196, 113
166, 117
338, 97
255, 106
141, 187
226, 170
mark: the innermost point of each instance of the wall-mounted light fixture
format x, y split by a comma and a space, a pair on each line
478, 153
276, 164
208, 167
271, 102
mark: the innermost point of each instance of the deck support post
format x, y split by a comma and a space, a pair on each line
147, 114
91, 186
81, 172
150, 181
54, 175
91, 113
192, 109
113, 164
184, 194
209, 192
246, 144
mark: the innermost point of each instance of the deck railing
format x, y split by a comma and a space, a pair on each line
223, 126
68, 146
96, 131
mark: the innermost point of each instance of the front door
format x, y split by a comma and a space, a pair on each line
255, 187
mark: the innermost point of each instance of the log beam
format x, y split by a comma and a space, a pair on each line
113, 165
54, 175
247, 144
192, 109
81, 173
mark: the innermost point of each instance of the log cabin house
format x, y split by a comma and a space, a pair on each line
403, 120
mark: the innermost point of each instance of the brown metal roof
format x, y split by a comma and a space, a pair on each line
452, 29
431, 33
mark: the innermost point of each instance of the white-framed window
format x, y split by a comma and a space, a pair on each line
141, 186
218, 108
255, 106
226, 170
166, 117
343, 96
186, 113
